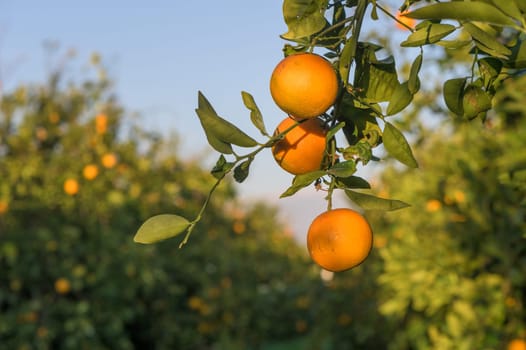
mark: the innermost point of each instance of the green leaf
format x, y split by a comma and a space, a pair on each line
428, 35
475, 101
255, 113
242, 170
518, 55
161, 227
489, 41
303, 18
413, 83
221, 167
302, 181
400, 99
508, 7
352, 182
343, 169
489, 68
378, 79
453, 92
220, 128
334, 130
370, 202
346, 57
213, 140
397, 146
462, 11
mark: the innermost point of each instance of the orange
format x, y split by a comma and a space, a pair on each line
71, 187
517, 344
90, 171
433, 205
62, 286
109, 160
101, 123
4, 206
304, 85
410, 22
339, 239
302, 149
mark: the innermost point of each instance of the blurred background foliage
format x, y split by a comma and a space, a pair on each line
78, 176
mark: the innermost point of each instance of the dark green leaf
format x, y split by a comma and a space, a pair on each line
489, 68
378, 78
220, 128
255, 113
428, 35
334, 130
302, 181
488, 40
241, 171
453, 92
352, 182
221, 167
370, 202
413, 83
400, 99
303, 18
161, 227
397, 146
462, 11
346, 57
518, 55
343, 169
217, 144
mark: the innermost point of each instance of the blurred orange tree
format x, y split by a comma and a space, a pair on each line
77, 178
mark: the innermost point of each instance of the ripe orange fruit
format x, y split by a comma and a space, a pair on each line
517, 344
90, 171
339, 239
302, 149
4, 206
71, 187
62, 286
410, 22
304, 85
109, 160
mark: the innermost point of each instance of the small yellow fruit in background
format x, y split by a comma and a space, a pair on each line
101, 123
90, 171
517, 344
62, 286
109, 160
433, 205
4, 206
71, 187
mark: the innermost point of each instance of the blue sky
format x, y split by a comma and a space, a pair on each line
160, 53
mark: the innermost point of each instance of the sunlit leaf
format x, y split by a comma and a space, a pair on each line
370, 202
475, 101
303, 17
462, 11
400, 99
488, 40
343, 169
161, 227
219, 128
397, 146
428, 35
255, 113
302, 181
413, 83
509, 7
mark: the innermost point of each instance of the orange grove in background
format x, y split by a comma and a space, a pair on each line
302, 149
304, 85
71, 187
339, 239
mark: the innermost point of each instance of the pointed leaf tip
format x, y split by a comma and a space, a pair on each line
161, 227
